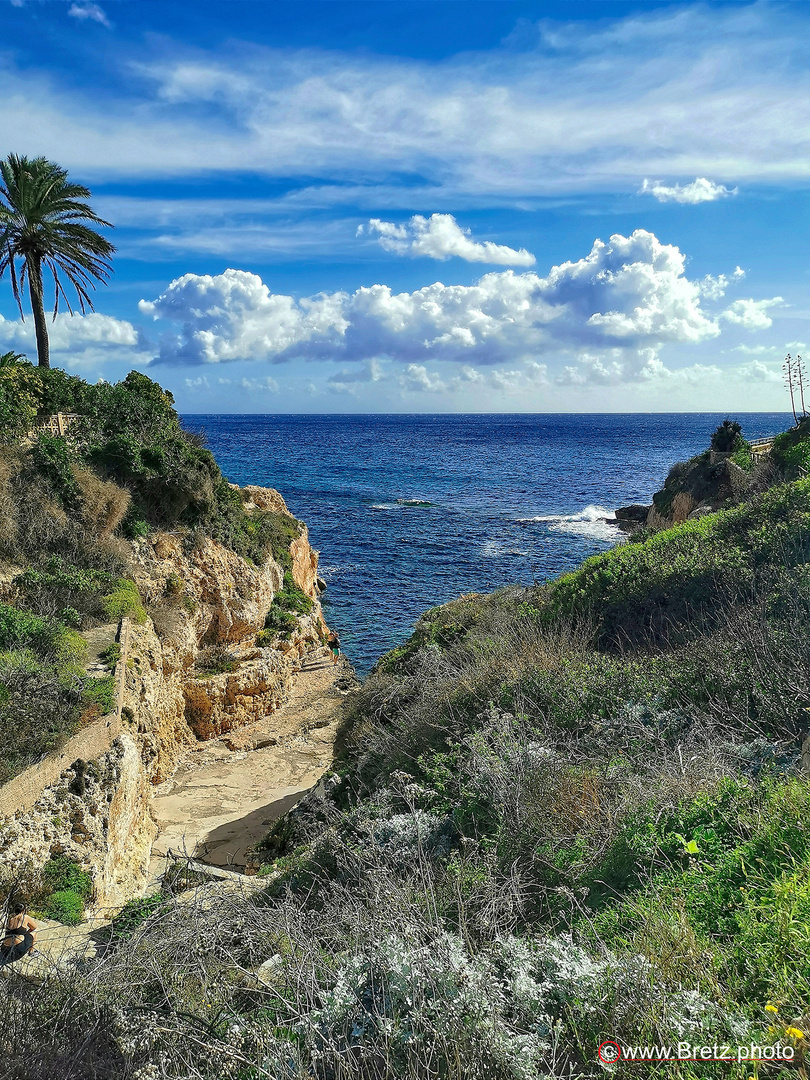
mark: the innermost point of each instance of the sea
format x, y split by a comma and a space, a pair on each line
409, 512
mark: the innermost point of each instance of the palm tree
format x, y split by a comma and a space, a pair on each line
42, 224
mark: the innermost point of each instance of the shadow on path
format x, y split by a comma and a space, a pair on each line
227, 845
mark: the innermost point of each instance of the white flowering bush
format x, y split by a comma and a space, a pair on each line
405, 837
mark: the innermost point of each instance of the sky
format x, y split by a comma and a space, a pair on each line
431, 206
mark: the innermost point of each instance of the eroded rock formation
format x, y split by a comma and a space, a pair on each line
200, 598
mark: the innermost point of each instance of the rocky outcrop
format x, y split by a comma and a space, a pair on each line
200, 596
215, 704
706, 483
635, 513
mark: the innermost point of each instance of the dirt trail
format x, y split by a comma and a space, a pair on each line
224, 796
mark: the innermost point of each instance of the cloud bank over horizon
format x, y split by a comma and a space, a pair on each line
613, 309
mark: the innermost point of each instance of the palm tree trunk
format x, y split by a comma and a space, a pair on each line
38, 308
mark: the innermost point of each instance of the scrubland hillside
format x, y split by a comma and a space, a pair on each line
68, 507
561, 815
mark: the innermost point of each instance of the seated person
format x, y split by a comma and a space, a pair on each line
19, 919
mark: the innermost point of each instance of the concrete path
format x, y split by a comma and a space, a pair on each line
224, 796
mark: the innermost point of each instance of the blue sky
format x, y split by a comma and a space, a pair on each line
432, 206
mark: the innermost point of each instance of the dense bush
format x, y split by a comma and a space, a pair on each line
64, 905
727, 437
66, 889
290, 602
61, 872
791, 450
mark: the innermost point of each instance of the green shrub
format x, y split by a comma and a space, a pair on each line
70, 651
70, 617
61, 872
17, 402
124, 600
743, 458
791, 450
39, 708
727, 437
66, 906
293, 598
135, 913
98, 696
59, 585
287, 604
279, 621
52, 458
21, 629
112, 654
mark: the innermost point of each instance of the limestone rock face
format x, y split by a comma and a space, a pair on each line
98, 815
260, 498
218, 597
198, 596
219, 703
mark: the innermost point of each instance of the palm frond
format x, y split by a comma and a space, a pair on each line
45, 220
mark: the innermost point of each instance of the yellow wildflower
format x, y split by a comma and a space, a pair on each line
794, 1033
771, 1008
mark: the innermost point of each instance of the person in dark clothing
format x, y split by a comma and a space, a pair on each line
333, 644
19, 920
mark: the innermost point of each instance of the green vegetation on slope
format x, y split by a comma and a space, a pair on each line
124, 466
282, 617
563, 814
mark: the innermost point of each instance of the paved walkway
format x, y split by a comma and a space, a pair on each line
225, 795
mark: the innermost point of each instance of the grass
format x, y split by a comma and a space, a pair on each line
561, 814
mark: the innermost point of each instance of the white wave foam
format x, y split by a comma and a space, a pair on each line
588, 522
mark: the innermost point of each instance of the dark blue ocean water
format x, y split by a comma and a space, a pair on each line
512, 498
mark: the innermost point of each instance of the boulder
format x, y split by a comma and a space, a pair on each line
635, 512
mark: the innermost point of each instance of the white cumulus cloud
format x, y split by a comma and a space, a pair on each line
699, 191
609, 312
441, 237
752, 314
70, 332
715, 287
